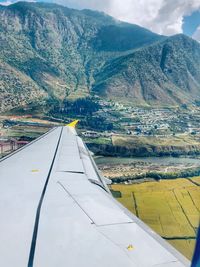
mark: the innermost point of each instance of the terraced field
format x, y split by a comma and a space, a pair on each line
170, 207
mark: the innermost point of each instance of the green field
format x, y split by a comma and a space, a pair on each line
170, 207
159, 141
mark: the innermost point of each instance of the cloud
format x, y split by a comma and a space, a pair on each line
169, 19
161, 16
6, 3
9, 2
196, 35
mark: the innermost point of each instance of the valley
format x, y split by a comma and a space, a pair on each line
136, 96
147, 185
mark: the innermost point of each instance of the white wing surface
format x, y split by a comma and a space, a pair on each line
56, 211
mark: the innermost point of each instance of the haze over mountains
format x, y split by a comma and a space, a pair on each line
52, 51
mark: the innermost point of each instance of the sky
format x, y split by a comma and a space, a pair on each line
166, 17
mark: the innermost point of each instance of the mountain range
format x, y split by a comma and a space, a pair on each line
51, 51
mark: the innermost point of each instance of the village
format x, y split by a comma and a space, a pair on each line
123, 120
144, 121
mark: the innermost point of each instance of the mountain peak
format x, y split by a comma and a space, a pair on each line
67, 53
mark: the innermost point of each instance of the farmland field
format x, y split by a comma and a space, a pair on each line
170, 207
181, 140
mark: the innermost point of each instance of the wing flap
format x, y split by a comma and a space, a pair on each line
67, 236
142, 244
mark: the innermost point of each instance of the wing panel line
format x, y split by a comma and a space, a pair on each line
75, 202
37, 218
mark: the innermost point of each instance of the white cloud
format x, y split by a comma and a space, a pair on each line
161, 16
6, 3
169, 19
196, 35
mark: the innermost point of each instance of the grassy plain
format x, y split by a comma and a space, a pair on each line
177, 140
24, 127
169, 207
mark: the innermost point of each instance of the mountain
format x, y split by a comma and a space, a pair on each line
166, 73
51, 51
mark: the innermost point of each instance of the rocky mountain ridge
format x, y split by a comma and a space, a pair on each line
50, 51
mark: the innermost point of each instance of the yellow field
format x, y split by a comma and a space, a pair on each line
196, 179
170, 207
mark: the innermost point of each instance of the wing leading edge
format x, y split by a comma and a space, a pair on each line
56, 210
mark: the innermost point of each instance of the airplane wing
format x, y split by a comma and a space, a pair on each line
56, 211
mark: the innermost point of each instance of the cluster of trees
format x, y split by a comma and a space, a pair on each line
96, 123
80, 107
161, 175
83, 106
143, 151
84, 109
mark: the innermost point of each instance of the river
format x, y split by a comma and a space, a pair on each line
153, 160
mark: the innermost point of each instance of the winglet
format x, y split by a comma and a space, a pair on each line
73, 124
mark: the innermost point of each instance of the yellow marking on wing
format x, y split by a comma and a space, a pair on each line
73, 123
35, 170
130, 247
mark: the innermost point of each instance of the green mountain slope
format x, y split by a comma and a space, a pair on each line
16, 88
167, 72
66, 53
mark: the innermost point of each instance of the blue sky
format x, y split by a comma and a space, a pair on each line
166, 17
191, 23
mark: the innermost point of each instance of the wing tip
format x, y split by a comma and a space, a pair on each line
73, 124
